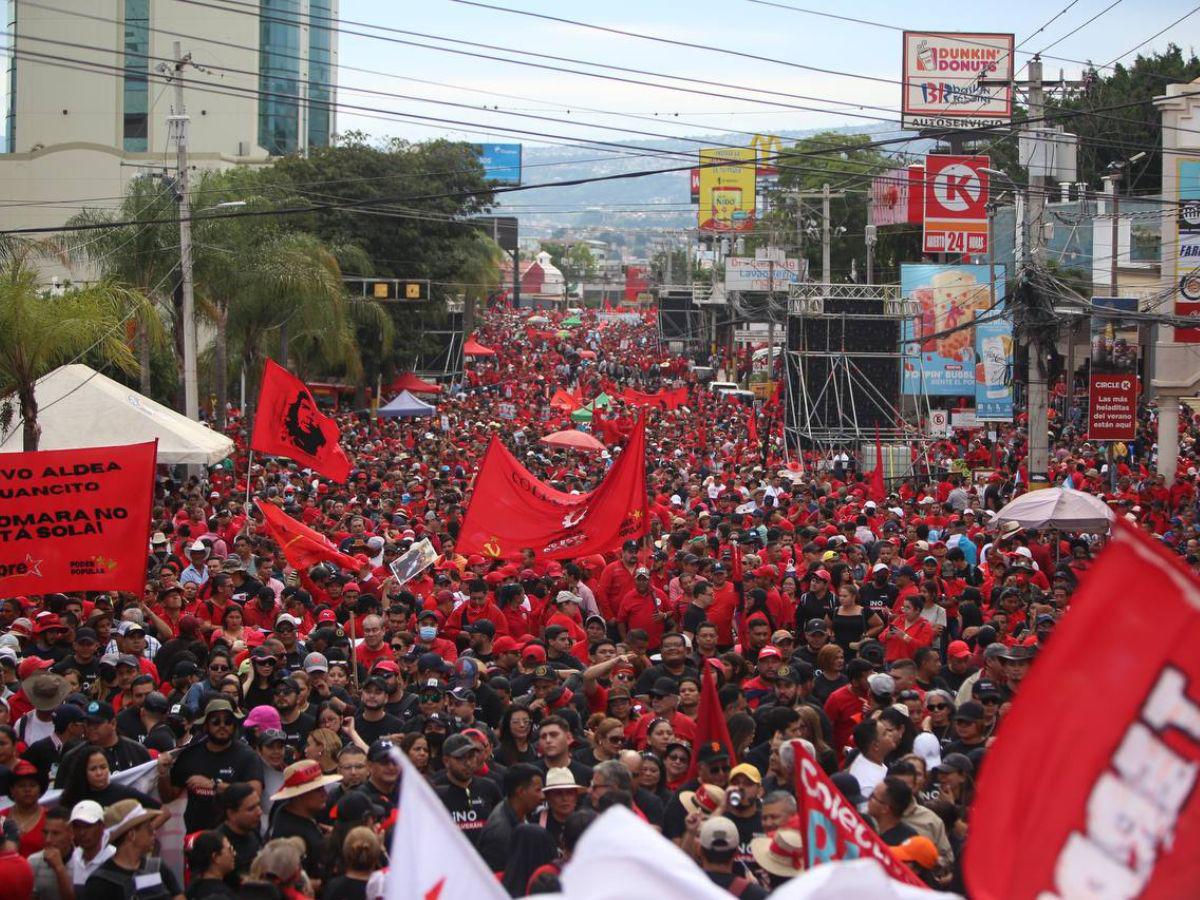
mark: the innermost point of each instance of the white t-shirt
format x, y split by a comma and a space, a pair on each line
868, 773
82, 870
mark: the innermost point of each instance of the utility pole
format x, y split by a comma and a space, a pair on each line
826, 243
179, 127
1036, 392
1114, 199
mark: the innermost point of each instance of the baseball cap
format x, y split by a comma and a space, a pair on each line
271, 736
456, 746
917, 849
816, 626
748, 770
89, 812
381, 750
156, 703
316, 662
640, 571
958, 650
664, 687
955, 762
718, 833
67, 714
85, 635
769, 652
881, 683
99, 711
971, 711
504, 644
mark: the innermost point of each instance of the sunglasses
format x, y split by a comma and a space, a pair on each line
718, 767
429, 698
218, 668
265, 661
615, 739
678, 758
222, 720
936, 706
990, 701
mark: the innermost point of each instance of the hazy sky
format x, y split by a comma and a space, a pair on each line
744, 26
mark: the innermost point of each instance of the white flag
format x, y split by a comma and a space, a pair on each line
430, 859
857, 879
620, 857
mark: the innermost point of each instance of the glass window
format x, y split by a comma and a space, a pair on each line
136, 93
320, 73
279, 76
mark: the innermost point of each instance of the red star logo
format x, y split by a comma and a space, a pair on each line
436, 891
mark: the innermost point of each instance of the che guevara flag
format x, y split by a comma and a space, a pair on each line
302, 547
1090, 787
511, 509
288, 423
76, 520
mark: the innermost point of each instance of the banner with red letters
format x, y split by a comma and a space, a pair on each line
511, 509
832, 827
76, 520
1090, 788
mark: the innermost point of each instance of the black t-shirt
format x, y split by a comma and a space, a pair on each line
379, 798
581, 772
245, 848
287, 824
297, 731
98, 887
813, 607
953, 679
693, 617
470, 807
879, 600
124, 754
344, 888
646, 680
897, 835
236, 763
89, 671
724, 880
207, 888
372, 731
129, 724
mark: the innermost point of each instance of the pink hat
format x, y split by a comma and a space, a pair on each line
263, 717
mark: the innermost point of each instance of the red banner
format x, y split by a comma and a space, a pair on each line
670, 399
832, 827
511, 509
288, 423
302, 546
1112, 407
1095, 766
76, 520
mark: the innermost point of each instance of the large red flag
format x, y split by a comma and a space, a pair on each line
510, 509
711, 727
1090, 789
877, 485
302, 546
76, 520
287, 423
831, 825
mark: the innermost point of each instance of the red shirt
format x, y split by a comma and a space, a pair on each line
367, 657
615, 582
845, 710
466, 614
638, 610
919, 634
724, 605
685, 728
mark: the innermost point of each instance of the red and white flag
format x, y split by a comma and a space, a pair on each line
430, 859
1090, 789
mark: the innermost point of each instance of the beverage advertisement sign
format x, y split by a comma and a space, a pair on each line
956, 197
947, 353
944, 78
727, 190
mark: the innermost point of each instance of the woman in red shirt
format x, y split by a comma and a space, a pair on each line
909, 633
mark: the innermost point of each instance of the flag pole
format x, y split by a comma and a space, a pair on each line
249, 468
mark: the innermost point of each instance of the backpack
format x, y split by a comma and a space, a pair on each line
125, 881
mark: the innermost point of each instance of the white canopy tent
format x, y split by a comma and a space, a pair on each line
79, 407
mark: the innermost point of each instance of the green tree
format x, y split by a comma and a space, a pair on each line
575, 260
807, 166
40, 332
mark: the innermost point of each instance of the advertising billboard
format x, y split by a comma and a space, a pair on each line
727, 202
501, 162
956, 197
745, 274
942, 358
1113, 381
768, 147
898, 197
1187, 266
942, 75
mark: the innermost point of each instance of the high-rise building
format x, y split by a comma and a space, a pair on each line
86, 100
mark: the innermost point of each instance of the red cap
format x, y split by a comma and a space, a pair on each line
769, 652
351, 586
958, 649
504, 644
823, 575
32, 664
766, 571
534, 651
46, 621
327, 615
476, 560
387, 665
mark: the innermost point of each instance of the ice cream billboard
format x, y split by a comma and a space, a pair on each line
727, 190
942, 358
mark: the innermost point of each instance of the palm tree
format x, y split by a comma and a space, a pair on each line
143, 257
39, 333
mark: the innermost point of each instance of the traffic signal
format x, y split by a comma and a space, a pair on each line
409, 290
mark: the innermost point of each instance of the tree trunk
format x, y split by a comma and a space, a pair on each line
143, 349
31, 431
221, 363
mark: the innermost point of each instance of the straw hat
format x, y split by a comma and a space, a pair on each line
124, 815
561, 779
302, 777
781, 853
707, 799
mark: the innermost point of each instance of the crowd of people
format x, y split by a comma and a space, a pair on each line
887, 634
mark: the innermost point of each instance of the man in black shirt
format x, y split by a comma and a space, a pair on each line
293, 723
469, 799
242, 806
129, 719
206, 767
100, 728
879, 594
84, 659
45, 754
886, 806
383, 776
816, 636
675, 665
818, 601
718, 841
373, 721
697, 611
300, 801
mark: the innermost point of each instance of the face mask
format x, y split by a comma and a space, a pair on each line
427, 633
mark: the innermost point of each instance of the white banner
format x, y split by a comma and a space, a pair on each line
745, 274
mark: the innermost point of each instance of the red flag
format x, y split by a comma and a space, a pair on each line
752, 427
76, 520
877, 485
711, 727
1106, 754
511, 509
831, 825
302, 546
288, 423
